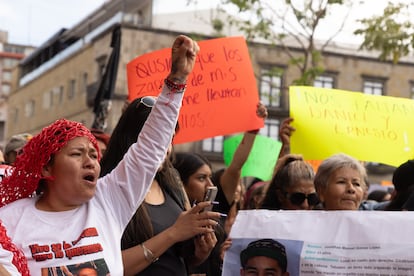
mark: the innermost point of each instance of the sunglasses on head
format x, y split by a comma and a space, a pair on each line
299, 198
148, 101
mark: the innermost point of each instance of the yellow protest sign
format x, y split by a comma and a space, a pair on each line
367, 127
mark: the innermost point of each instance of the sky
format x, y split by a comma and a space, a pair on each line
32, 22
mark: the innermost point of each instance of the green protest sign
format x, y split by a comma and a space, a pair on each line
262, 158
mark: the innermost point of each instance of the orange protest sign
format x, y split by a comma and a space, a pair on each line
315, 164
222, 94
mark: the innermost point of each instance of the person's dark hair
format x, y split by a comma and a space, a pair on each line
400, 198
403, 180
290, 169
86, 265
403, 176
215, 178
409, 203
188, 163
377, 195
254, 181
255, 191
126, 132
265, 247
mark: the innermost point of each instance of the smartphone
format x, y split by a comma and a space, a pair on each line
210, 195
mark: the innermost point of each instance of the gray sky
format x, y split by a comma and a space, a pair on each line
34, 21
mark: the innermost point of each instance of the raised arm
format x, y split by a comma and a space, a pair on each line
285, 131
134, 174
231, 175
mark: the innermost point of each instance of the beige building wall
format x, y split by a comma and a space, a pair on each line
349, 69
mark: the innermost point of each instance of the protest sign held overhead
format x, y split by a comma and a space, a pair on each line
221, 97
367, 127
262, 157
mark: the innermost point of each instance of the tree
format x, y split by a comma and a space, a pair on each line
287, 22
392, 33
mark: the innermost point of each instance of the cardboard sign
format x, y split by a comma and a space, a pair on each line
368, 127
222, 94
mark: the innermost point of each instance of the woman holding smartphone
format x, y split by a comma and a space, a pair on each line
165, 218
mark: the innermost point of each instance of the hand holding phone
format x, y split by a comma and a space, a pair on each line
210, 195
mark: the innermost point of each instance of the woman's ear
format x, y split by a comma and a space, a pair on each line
47, 171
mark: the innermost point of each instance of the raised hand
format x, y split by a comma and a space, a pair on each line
286, 130
261, 110
183, 55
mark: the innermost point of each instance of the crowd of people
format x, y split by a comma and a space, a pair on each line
77, 200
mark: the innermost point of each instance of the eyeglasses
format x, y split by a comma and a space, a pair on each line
299, 198
148, 101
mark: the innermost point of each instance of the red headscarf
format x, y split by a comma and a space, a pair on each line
27, 173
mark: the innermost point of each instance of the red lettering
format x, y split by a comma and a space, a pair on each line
35, 248
43, 257
88, 232
83, 250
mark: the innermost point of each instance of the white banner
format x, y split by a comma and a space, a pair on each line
329, 242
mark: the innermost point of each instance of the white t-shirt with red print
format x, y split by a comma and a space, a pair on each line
6, 258
89, 236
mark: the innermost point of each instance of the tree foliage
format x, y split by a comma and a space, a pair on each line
392, 33
286, 23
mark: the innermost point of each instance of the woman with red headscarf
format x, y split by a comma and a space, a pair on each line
75, 217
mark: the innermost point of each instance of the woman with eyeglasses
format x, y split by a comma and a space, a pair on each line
340, 180
291, 187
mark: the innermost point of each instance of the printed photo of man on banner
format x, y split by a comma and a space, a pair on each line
321, 243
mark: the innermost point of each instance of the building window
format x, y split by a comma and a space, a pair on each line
58, 91
412, 90
101, 62
5, 89
72, 89
9, 63
13, 49
6, 76
214, 144
15, 115
324, 81
29, 108
2, 124
85, 82
271, 128
47, 99
271, 86
373, 87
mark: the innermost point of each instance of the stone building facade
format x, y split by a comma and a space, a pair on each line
10, 56
61, 77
